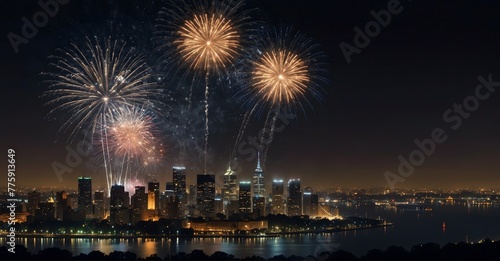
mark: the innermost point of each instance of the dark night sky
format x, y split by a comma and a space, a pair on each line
394, 91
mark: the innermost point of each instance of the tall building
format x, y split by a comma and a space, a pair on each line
205, 194
245, 197
230, 192
230, 189
219, 204
73, 201
33, 202
294, 198
278, 197
154, 195
85, 195
61, 204
151, 200
314, 205
306, 203
170, 189
139, 204
259, 206
179, 182
119, 213
173, 208
192, 195
259, 188
99, 208
45, 212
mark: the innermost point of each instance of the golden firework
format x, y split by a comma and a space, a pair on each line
279, 76
207, 42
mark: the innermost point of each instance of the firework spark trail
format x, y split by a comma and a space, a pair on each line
107, 155
266, 123
271, 136
108, 175
206, 120
205, 37
283, 72
243, 126
187, 123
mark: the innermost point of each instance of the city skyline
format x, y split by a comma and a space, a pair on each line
250, 129
370, 112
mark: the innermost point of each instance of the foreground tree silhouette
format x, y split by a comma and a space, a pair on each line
54, 254
396, 253
426, 251
341, 255
198, 254
219, 255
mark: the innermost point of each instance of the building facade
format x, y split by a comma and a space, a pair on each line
205, 194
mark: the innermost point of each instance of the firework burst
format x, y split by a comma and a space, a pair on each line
89, 85
132, 143
207, 42
280, 76
131, 132
204, 36
282, 73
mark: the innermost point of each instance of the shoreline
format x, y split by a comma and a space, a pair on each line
267, 235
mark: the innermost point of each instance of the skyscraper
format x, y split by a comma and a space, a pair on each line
278, 197
245, 197
139, 204
205, 194
314, 205
179, 182
170, 189
259, 189
306, 203
61, 204
192, 195
45, 212
73, 201
119, 214
85, 195
294, 198
170, 202
33, 202
230, 189
173, 208
154, 195
219, 204
230, 192
99, 209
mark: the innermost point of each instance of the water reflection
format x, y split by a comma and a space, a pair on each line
410, 228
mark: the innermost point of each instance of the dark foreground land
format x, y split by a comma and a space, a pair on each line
485, 250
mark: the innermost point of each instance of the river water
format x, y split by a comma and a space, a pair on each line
411, 228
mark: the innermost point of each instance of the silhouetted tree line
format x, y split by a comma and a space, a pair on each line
487, 250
